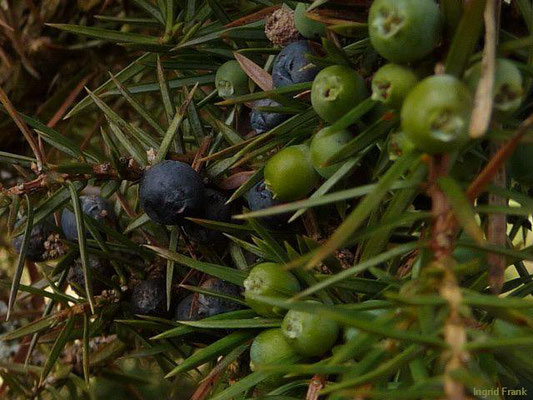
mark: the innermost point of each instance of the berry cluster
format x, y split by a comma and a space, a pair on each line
303, 201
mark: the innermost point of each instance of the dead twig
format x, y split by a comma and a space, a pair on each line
68, 101
23, 128
487, 174
481, 114
497, 233
315, 386
257, 16
198, 158
442, 243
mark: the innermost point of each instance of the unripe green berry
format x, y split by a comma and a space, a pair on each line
404, 31
324, 145
336, 90
508, 85
270, 347
289, 174
271, 280
309, 334
436, 114
231, 80
392, 83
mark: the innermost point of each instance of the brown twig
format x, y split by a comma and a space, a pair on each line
198, 158
487, 174
482, 111
442, 243
129, 212
12, 33
52, 178
68, 101
128, 170
99, 301
87, 139
235, 181
23, 128
497, 232
259, 15
315, 386
311, 226
34, 11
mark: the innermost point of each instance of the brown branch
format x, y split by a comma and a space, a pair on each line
99, 301
128, 170
442, 243
497, 233
315, 386
104, 171
444, 224
27, 187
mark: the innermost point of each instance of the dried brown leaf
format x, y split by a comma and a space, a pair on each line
256, 16
235, 181
257, 74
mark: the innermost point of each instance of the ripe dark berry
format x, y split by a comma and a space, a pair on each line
231, 80
336, 90
149, 298
217, 305
436, 114
40, 233
292, 66
260, 197
289, 174
170, 191
270, 347
188, 309
215, 209
269, 279
403, 31
98, 266
262, 121
95, 207
198, 306
309, 334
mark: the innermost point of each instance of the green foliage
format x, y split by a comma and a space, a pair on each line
399, 256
